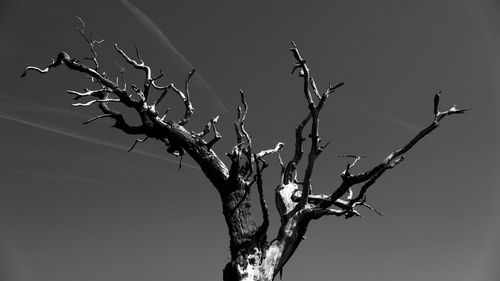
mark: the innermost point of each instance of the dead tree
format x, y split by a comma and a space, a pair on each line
253, 255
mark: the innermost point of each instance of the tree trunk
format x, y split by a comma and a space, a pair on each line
263, 264
256, 259
254, 265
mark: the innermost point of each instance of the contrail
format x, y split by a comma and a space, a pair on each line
401, 122
56, 177
156, 31
387, 117
90, 140
17, 104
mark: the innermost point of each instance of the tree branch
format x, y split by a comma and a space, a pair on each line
97, 117
313, 115
171, 133
141, 66
389, 162
90, 42
135, 143
261, 232
244, 144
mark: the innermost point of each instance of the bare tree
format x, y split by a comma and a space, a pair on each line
253, 255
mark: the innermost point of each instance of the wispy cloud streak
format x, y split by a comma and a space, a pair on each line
402, 123
71, 178
89, 139
156, 31
13, 104
384, 116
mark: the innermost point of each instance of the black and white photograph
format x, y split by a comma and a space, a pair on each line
291, 140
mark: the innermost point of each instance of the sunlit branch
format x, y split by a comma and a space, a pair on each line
90, 42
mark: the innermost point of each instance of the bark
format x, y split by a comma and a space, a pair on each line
261, 260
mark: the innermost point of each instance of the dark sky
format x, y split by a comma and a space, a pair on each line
75, 206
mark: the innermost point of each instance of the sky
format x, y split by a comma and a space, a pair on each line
74, 205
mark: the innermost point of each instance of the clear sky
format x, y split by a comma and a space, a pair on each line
75, 206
